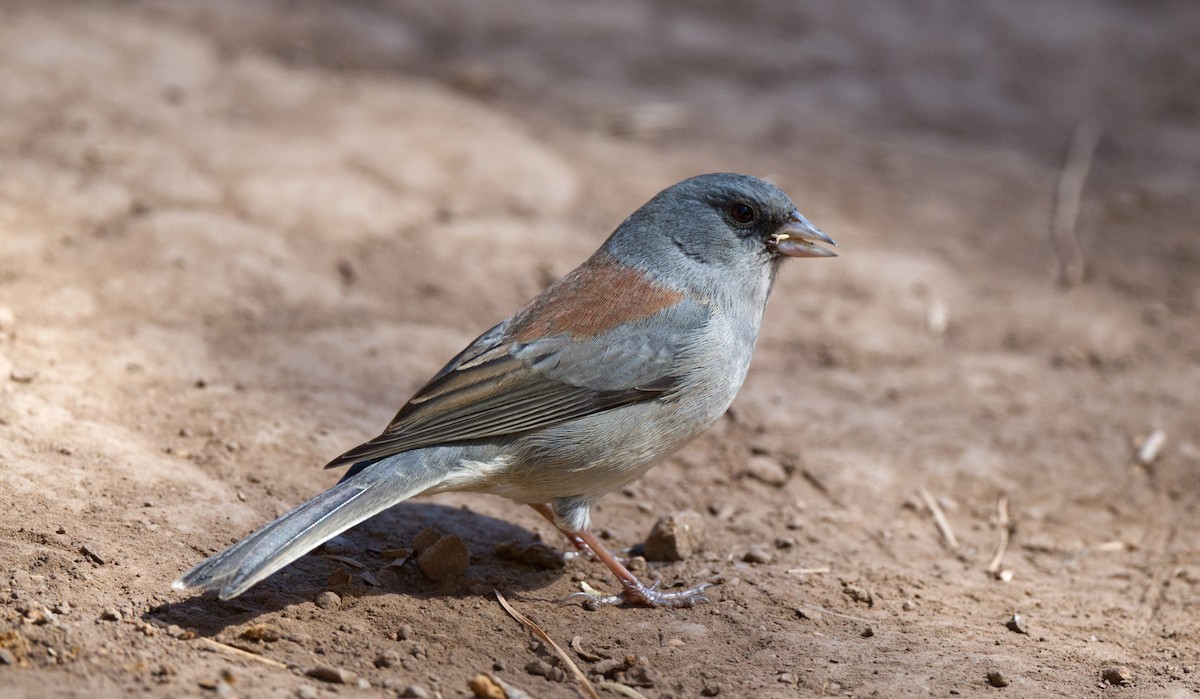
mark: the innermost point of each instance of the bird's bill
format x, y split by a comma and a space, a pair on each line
799, 238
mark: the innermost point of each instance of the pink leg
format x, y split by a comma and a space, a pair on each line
634, 591
545, 511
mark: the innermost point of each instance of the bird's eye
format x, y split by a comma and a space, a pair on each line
742, 213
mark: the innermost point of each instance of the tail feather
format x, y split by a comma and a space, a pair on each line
353, 500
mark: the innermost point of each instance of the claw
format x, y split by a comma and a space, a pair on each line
641, 595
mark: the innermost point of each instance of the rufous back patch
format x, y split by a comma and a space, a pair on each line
592, 299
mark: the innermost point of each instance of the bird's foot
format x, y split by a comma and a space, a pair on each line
637, 593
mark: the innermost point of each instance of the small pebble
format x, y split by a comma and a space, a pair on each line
445, 559
306, 691
388, 658
810, 614
339, 546
405, 632
868, 632
22, 375
535, 554
757, 555
6, 657
261, 632
415, 691
767, 470
8, 319
484, 687
426, 538
788, 678
711, 690
110, 614
997, 679
335, 675
859, 594
1016, 624
609, 668
328, 600
675, 537
1118, 675
908, 605
92, 554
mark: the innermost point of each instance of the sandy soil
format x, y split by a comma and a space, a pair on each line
236, 236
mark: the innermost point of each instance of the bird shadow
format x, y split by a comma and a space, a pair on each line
502, 556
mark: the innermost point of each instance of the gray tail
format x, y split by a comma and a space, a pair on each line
375, 489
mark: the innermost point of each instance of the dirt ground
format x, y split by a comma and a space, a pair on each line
234, 238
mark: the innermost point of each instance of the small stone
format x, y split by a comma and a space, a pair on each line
484, 687
22, 375
8, 319
334, 675
997, 679
428, 537
609, 668
810, 614
261, 632
859, 594
1118, 675
767, 470
711, 690
6, 657
62, 608
445, 559
1016, 624
92, 554
110, 614
405, 632
757, 555
788, 678
306, 691
536, 555
675, 537
339, 546
868, 632
388, 658
340, 577
908, 605
415, 691
328, 600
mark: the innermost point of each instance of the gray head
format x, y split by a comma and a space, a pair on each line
722, 221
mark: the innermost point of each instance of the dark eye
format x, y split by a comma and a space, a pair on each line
742, 213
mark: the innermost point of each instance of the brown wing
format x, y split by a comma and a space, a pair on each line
542, 367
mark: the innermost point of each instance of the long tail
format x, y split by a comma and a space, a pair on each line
365, 494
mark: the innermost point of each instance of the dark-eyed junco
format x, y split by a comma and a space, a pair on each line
610, 369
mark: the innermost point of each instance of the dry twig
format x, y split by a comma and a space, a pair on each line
344, 559
1149, 450
621, 689
217, 645
1003, 524
536, 630
808, 571
1071, 263
939, 518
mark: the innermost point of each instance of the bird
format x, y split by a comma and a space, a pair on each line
608, 371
